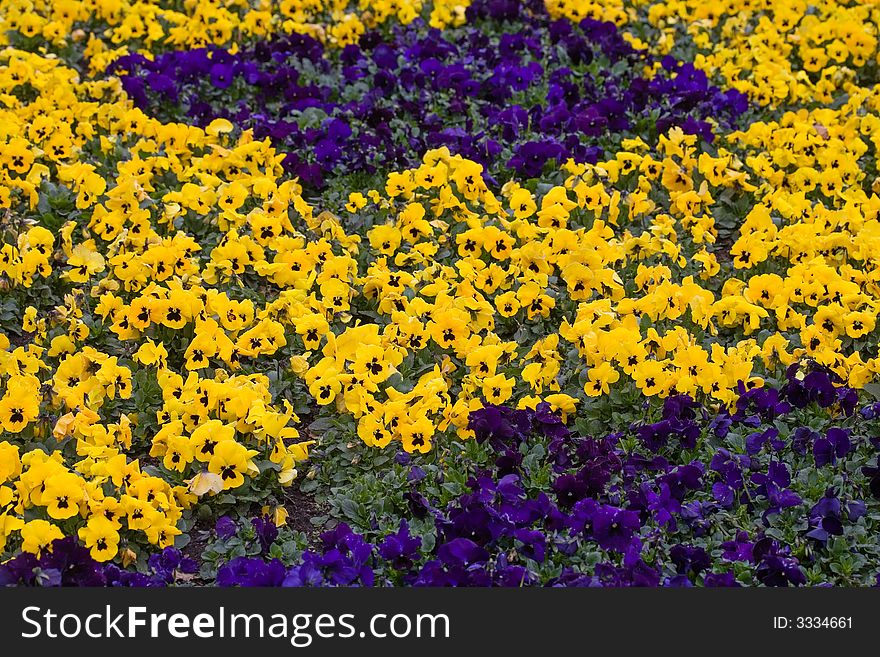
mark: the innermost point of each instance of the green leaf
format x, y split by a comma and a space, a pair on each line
350, 508
873, 389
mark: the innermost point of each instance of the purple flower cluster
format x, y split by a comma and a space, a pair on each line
68, 563
614, 516
634, 503
540, 91
345, 559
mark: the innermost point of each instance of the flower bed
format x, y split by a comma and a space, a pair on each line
467, 294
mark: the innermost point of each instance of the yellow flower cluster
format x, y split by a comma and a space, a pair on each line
616, 11
775, 52
83, 140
